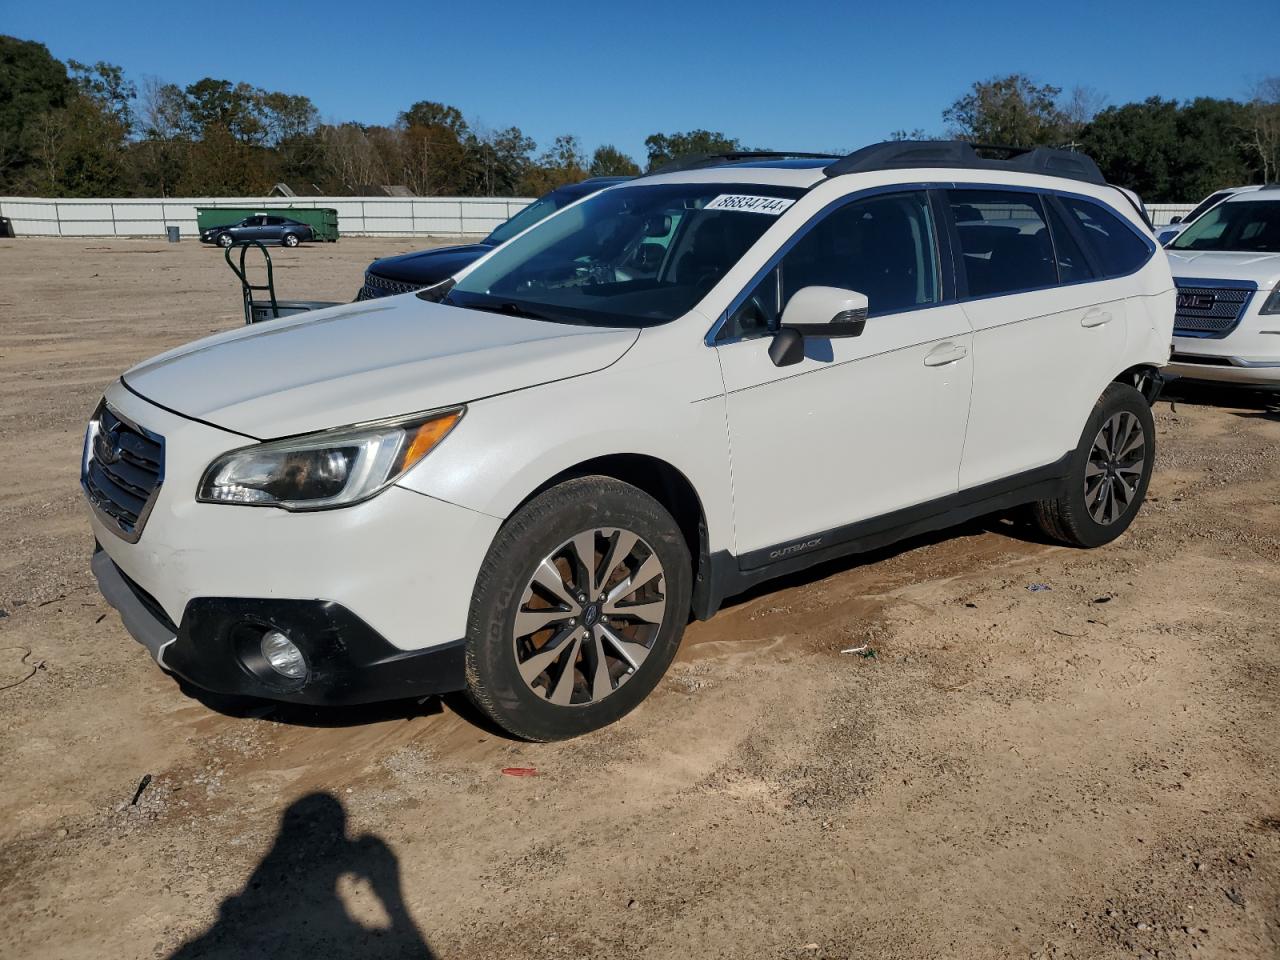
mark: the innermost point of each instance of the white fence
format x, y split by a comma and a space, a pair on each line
360, 216
357, 216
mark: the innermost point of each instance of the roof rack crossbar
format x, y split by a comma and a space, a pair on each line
693, 161
903, 154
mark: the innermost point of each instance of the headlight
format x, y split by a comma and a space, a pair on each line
329, 469
1272, 306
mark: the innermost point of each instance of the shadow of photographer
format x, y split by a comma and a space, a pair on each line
290, 906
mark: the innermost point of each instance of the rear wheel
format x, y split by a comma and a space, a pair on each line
1109, 472
290, 239
578, 609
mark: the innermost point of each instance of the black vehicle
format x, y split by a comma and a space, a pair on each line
413, 271
264, 229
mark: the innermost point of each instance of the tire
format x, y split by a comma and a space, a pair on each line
225, 240
531, 575
1108, 476
290, 240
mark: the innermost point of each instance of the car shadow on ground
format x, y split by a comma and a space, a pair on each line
1252, 401
290, 907
354, 715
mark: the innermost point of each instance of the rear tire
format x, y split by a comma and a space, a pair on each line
1108, 474
616, 619
290, 240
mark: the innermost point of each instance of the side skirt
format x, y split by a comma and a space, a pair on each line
731, 575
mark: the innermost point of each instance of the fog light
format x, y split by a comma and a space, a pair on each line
283, 655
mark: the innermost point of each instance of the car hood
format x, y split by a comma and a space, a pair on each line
1262, 268
366, 361
427, 267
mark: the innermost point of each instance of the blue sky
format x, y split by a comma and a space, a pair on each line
799, 75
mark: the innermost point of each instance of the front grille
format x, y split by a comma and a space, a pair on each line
376, 286
1210, 308
122, 471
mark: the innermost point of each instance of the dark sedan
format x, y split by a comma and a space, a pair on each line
413, 271
265, 229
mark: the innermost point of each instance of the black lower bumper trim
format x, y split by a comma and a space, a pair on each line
216, 648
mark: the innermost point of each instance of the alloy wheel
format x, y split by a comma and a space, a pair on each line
1114, 471
589, 616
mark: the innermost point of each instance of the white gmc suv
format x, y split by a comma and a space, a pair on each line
1227, 268
524, 481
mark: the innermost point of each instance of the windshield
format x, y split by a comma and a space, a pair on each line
631, 256
540, 209
1247, 225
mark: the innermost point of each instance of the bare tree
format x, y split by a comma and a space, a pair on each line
1079, 107
1264, 136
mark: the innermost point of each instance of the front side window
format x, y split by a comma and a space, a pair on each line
1117, 249
631, 256
1004, 242
1247, 225
882, 246
540, 209
1210, 201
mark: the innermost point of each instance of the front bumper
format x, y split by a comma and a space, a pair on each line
214, 647
396, 573
1225, 369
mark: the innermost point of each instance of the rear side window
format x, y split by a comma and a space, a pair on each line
1004, 241
1073, 265
1117, 249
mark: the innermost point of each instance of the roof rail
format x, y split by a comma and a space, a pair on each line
902, 154
693, 161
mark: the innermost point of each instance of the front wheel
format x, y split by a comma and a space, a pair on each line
1108, 475
290, 239
578, 609
225, 240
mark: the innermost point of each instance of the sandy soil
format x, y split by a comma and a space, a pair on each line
1090, 770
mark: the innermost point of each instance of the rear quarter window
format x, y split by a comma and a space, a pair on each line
1116, 247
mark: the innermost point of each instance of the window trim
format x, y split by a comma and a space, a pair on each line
946, 243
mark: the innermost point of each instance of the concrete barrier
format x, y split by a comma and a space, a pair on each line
357, 216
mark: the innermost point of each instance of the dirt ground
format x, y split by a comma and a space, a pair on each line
1087, 770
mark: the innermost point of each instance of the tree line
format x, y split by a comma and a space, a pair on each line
83, 130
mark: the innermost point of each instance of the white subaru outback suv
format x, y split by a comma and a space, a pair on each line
525, 481
1227, 268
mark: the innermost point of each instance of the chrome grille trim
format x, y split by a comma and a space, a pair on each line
1210, 308
121, 471
376, 286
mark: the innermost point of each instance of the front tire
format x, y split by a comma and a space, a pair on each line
225, 240
578, 609
1108, 475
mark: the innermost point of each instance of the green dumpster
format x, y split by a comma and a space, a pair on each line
323, 221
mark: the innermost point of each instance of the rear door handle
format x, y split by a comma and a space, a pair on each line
945, 353
1095, 318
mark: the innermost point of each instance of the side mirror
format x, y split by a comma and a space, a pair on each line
1175, 220
822, 312
826, 312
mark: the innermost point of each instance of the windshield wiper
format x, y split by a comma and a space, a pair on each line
509, 308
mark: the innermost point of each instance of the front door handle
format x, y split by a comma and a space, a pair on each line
1095, 318
945, 353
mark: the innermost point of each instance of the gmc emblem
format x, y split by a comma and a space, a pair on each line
1196, 301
